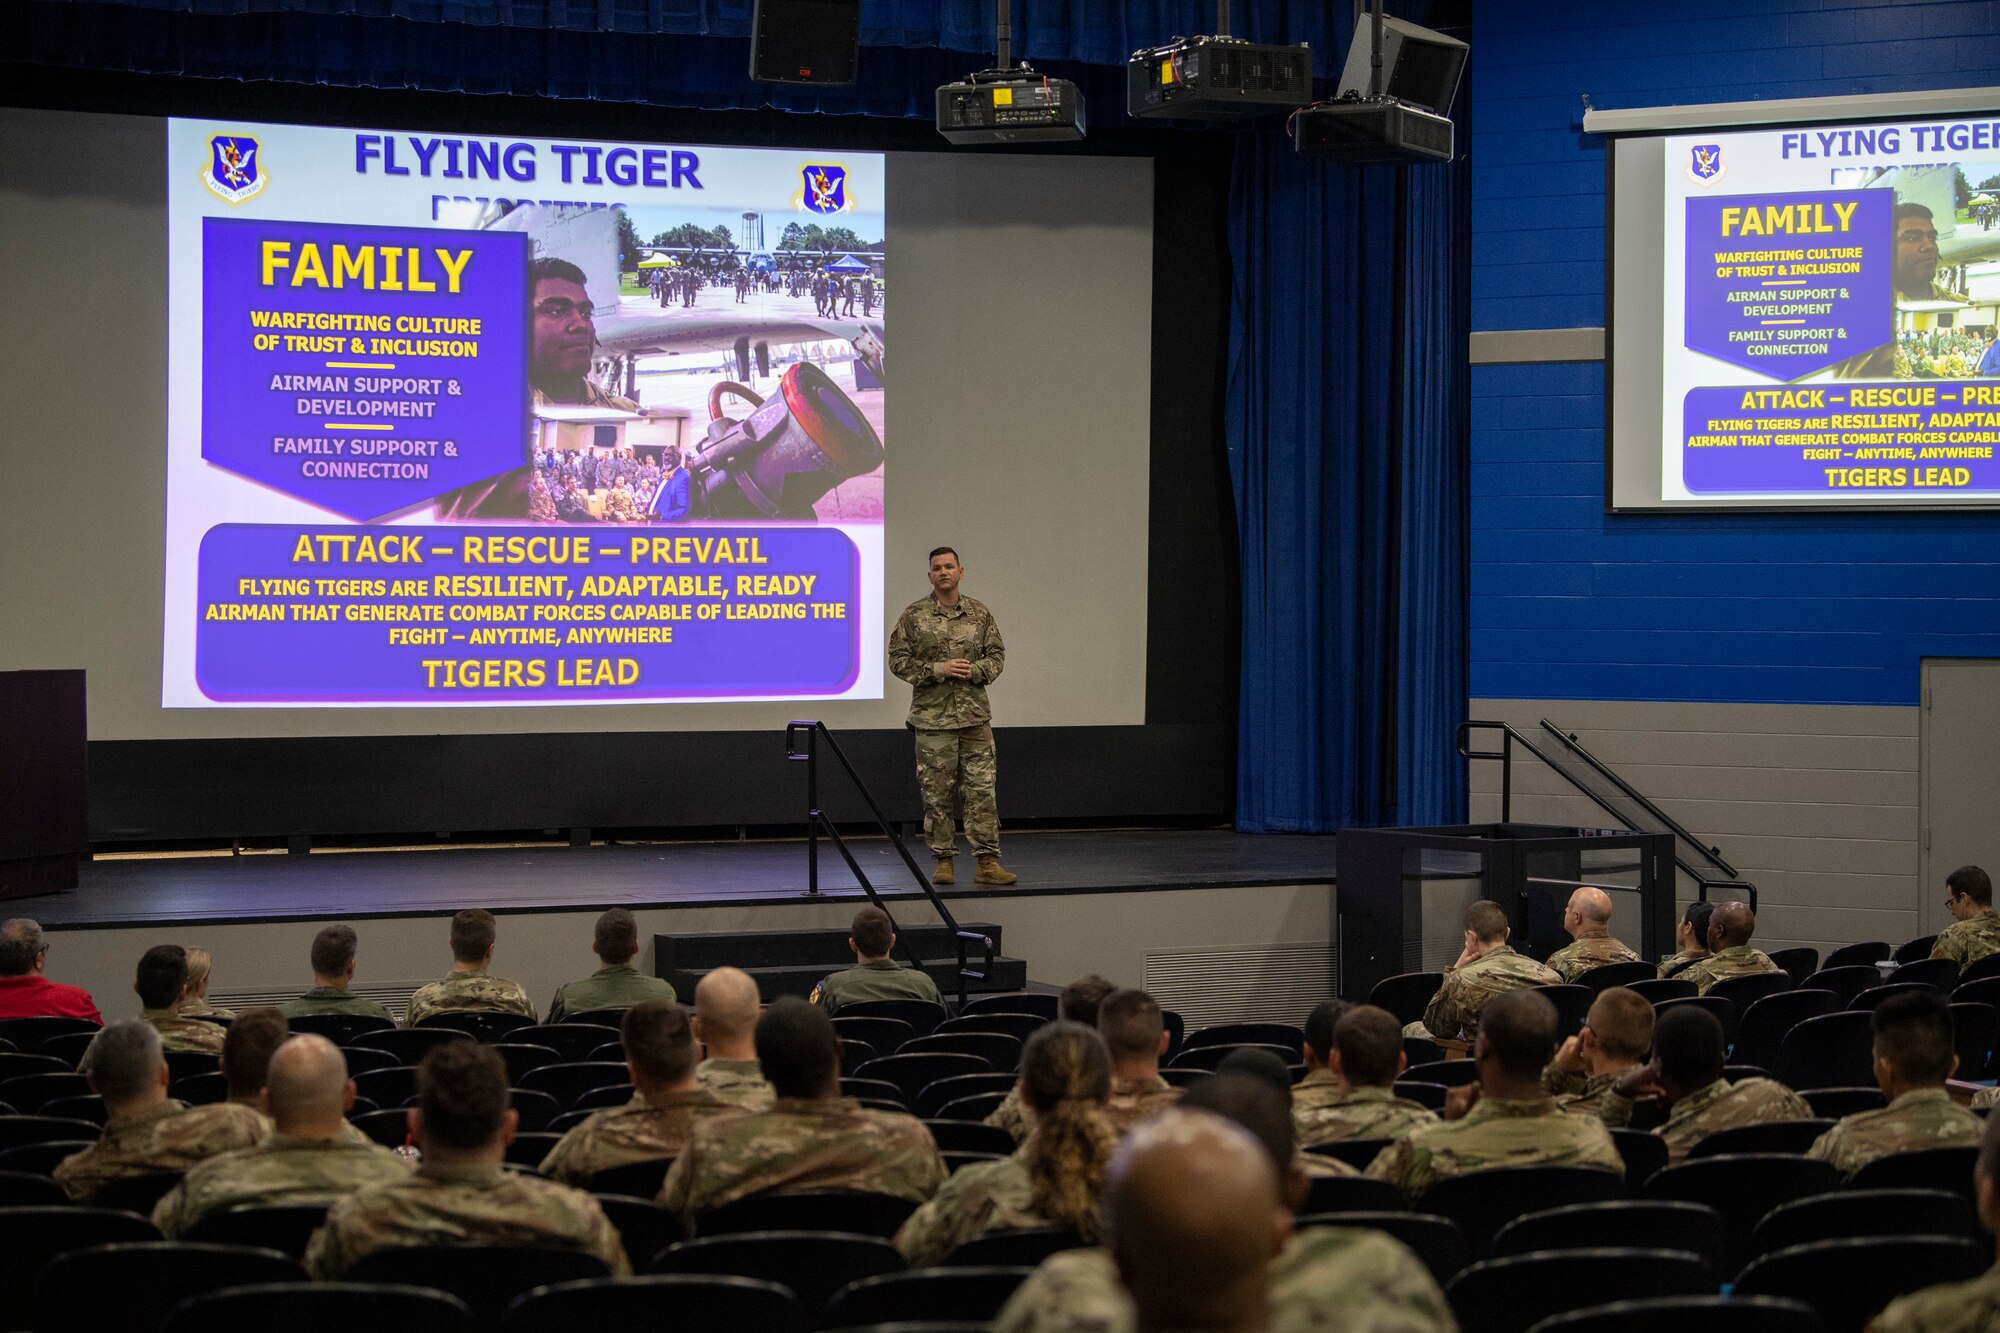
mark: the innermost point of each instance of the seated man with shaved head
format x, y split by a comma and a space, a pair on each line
1616, 1038
1687, 1070
1488, 966
309, 1160
1587, 919
726, 1006
1503, 1119
1730, 927
1323, 1277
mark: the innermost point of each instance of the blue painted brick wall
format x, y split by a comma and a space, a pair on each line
1571, 603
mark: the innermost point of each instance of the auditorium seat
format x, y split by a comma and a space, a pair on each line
1839, 1103
322, 1307
934, 1097
1423, 1091
1921, 1168
409, 1045
1662, 988
956, 1160
1357, 1153
30, 1237
1010, 1246
1406, 995
1865, 1212
1482, 1202
1601, 979
1046, 1003
1799, 963
1282, 1035
137, 1194
1742, 1187
521, 1057
136, 1285
1745, 991
1939, 972
567, 1083
1208, 1057
1846, 982
186, 1064
1836, 1051
387, 1087
911, 1073
922, 1015
1018, 1026
961, 1293
207, 1089
41, 1158
645, 1227
638, 1180
1973, 1030
1736, 1073
529, 1150
1782, 1136
28, 1189
30, 1092
970, 1136
1849, 1281
361, 1059
573, 1041
604, 1097
68, 1047
1452, 1073
486, 1277
1437, 1241
476, 1024
886, 1035
1872, 998
1421, 1051
879, 1089
537, 1110
1677, 1314
14, 1065
1352, 1194
1644, 1224
1644, 1153
996, 1050
1985, 969
813, 1264
1761, 1030
340, 1029
28, 1034
1507, 1295
1720, 1007
1186, 1078
1865, 954
603, 1018
853, 1054
614, 1051
1572, 1004
660, 1301
1910, 951
282, 1227
861, 1212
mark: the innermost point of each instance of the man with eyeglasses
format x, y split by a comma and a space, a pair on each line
1974, 931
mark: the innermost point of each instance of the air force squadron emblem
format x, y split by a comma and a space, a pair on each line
825, 190
1705, 163
233, 172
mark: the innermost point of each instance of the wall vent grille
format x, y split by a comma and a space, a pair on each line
1244, 983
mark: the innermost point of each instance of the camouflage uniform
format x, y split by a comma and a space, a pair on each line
1926, 1118
331, 1000
197, 1007
1966, 942
1581, 1094
1133, 1099
1495, 1133
1674, 966
169, 1137
640, 1131
1322, 1113
1738, 960
473, 991
951, 718
1589, 951
1986, 1098
1954, 1307
619, 986
280, 1170
185, 1034
983, 1197
1347, 1278
1013, 1115
799, 1145
1466, 990
741, 1083
1721, 1105
883, 979
463, 1205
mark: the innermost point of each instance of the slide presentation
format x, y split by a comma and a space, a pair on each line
489, 421
1826, 303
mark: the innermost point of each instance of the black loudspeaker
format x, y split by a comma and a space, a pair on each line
805, 41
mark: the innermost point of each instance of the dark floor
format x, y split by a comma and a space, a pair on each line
186, 890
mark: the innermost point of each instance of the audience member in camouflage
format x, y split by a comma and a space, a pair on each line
1686, 1069
468, 987
1616, 1037
161, 984
726, 1006
948, 648
1487, 967
1974, 931
1958, 1307
1690, 939
616, 984
811, 1139
1587, 919
195, 1004
333, 962
1730, 927
307, 1160
1053, 1180
144, 1131
1353, 1054
1914, 1055
461, 1195
1504, 1119
666, 1106
875, 975
1078, 1003
1135, 1032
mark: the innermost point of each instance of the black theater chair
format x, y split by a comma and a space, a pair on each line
1865, 1212
922, 1015
487, 1278
1761, 1031
1743, 1187
572, 1041
1435, 1240
1798, 963
934, 1097
1406, 995
960, 1294
28, 1034
1046, 1003
1645, 1224
861, 1212
341, 1029
136, 1285
1662, 988
1677, 1314
1846, 982
322, 1307
688, 1301
886, 1035
1600, 979
567, 1083
1849, 1281
476, 1024
408, 1045
1482, 1202
813, 1264
1507, 1295
1015, 1246
644, 1226
1018, 1026
1779, 1136
1837, 1051
1921, 1168
1747, 990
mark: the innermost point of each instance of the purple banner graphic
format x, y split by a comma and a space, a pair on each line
363, 369
451, 615
1911, 439
1787, 284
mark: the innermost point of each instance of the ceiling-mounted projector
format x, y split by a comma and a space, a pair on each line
1394, 103
1215, 78
1009, 104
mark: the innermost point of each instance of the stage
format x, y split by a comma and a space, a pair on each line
1221, 923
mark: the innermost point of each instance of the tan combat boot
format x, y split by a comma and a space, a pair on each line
943, 875
992, 872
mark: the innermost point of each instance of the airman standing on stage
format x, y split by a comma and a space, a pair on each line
948, 648
467, 987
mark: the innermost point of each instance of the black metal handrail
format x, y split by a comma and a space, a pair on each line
817, 823
1510, 737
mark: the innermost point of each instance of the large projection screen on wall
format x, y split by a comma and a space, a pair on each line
1801, 316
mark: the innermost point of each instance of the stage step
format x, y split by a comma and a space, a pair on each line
792, 962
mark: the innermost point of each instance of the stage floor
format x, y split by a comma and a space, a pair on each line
190, 890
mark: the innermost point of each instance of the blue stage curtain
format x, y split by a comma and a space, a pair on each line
1347, 424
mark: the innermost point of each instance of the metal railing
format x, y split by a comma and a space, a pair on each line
818, 824
1511, 737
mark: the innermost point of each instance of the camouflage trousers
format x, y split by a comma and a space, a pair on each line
959, 763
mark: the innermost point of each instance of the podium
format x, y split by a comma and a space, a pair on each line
44, 811
1401, 893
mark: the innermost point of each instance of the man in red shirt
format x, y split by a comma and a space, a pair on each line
24, 991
